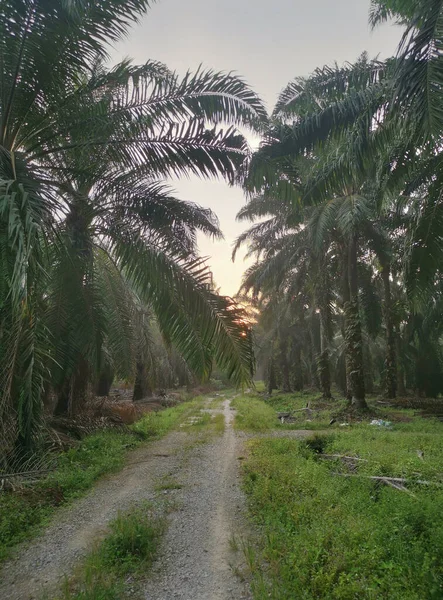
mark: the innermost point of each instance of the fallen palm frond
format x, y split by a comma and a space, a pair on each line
398, 483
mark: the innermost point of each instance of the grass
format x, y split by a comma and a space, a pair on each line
253, 414
24, 512
168, 483
156, 424
259, 413
127, 550
331, 537
319, 416
204, 422
218, 423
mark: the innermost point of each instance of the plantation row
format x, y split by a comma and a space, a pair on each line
345, 199
100, 273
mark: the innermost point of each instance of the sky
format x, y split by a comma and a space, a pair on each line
268, 43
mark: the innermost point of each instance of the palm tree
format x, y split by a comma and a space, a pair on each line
82, 148
288, 265
44, 48
338, 117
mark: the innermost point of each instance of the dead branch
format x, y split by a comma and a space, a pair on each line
24, 474
390, 480
341, 456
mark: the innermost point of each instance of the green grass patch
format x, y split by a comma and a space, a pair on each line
318, 416
156, 424
253, 414
128, 550
332, 537
218, 423
22, 513
168, 483
320, 413
203, 421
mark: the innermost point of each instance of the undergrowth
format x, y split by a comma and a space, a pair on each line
156, 424
326, 536
24, 511
253, 414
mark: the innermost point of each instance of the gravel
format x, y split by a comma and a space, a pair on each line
196, 558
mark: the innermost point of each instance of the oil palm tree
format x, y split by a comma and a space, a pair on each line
44, 48
73, 134
332, 117
289, 266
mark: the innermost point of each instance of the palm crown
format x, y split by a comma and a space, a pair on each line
85, 213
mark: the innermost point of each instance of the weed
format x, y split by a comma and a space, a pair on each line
156, 424
129, 549
250, 555
218, 422
237, 572
168, 483
331, 537
318, 443
132, 542
253, 414
233, 543
77, 469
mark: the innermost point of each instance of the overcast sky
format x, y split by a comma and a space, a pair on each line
268, 42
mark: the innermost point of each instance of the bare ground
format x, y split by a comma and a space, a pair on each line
198, 557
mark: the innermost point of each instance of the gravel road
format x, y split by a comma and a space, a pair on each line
196, 557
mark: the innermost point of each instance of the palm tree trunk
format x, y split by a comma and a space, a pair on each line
346, 300
354, 341
298, 369
312, 358
73, 395
142, 389
391, 359
369, 370
324, 372
272, 383
105, 380
284, 364
401, 388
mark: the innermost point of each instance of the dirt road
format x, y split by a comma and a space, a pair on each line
197, 559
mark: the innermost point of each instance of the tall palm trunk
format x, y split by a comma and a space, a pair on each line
105, 379
272, 382
73, 395
142, 388
284, 363
401, 388
313, 351
353, 336
324, 372
346, 300
297, 378
73, 388
390, 359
